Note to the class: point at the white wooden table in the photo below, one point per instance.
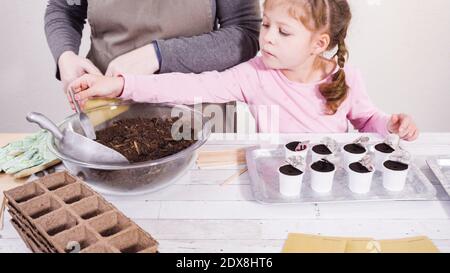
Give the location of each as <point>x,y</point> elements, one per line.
<point>197,214</point>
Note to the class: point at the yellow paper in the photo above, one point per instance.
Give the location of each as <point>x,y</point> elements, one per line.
<point>420,244</point>
<point>302,243</point>
<point>359,245</point>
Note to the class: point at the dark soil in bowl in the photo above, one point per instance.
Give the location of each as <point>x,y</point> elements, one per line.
<point>323,166</point>
<point>292,145</point>
<point>384,148</point>
<point>142,139</point>
<point>354,149</point>
<point>395,166</point>
<point>359,168</point>
<point>290,170</point>
<point>321,149</point>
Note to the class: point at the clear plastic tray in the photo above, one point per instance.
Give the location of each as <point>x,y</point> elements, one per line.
<point>263,164</point>
<point>440,165</point>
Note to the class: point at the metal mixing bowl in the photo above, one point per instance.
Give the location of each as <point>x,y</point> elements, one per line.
<point>135,178</point>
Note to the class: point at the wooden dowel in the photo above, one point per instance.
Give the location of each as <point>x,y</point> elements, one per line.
<point>234,176</point>
<point>2,212</point>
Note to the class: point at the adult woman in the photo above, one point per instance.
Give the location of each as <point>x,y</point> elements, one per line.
<point>149,36</point>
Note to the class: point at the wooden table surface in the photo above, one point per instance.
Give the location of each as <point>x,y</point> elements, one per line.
<point>198,214</point>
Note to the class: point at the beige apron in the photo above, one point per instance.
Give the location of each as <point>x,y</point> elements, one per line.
<point>120,26</point>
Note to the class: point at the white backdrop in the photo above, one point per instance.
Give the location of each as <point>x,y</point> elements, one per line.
<point>401,46</point>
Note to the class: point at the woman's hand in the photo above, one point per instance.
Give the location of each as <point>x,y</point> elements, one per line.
<point>71,67</point>
<point>94,86</point>
<point>141,61</point>
<point>404,126</point>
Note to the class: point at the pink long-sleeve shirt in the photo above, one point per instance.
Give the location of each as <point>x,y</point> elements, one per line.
<point>277,103</point>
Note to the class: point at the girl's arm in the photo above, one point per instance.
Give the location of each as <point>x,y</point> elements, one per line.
<point>234,84</point>
<point>364,116</point>
<point>239,83</point>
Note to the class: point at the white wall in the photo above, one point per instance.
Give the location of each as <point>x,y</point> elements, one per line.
<point>403,49</point>
<point>27,69</point>
<point>401,46</point>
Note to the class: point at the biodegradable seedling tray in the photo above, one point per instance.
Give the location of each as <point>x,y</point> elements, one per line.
<point>59,213</point>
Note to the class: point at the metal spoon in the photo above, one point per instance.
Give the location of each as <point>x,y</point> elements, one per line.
<point>85,123</point>
<point>76,145</point>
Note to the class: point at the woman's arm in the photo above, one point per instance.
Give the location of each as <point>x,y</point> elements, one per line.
<point>235,42</point>
<point>64,25</point>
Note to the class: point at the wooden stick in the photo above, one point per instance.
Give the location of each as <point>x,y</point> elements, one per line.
<point>211,159</point>
<point>219,164</point>
<point>218,160</point>
<point>231,153</point>
<point>234,176</point>
<point>225,155</point>
<point>239,160</point>
<point>2,212</point>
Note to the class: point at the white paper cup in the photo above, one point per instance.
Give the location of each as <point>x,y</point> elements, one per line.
<point>290,185</point>
<point>317,157</point>
<point>288,153</point>
<point>322,182</point>
<point>380,158</point>
<point>351,157</point>
<point>394,180</point>
<point>359,182</point>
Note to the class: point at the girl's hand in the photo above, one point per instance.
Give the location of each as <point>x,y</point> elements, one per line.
<point>94,86</point>
<point>403,126</point>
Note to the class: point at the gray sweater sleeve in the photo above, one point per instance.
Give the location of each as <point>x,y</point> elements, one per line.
<point>64,23</point>
<point>235,42</point>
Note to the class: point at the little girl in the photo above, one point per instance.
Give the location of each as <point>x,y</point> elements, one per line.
<point>314,94</point>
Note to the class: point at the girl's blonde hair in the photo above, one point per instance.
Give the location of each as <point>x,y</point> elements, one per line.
<point>332,17</point>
